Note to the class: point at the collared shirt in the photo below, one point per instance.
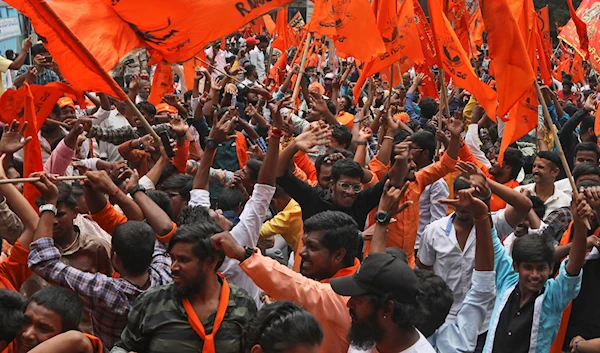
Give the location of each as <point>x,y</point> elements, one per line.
<point>429,208</point>
<point>461,335</point>
<point>158,323</point>
<point>440,249</point>
<point>246,233</point>
<point>548,307</point>
<point>42,77</point>
<point>557,222</point>
<point>557,200</point>
<point>328,307</point>
<point>257,58</point>
<point>287,223</point>
<point>564,185</point>
<point>513,332</point>
<point>46,147</point>
<point>110,299</point>
<point>510,239</point>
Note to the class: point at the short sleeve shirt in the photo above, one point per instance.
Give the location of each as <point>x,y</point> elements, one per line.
<point>4,65</point>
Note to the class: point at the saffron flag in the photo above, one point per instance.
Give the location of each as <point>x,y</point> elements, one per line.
<point>351,24</point>
<point>45,97</point>
<point>269,24</point>
<point>162,83</point>
<point>581,28</point>
<point>32,152</point>
<point>476,28</point>
<point>428,87</point>
<point>189,68</point>
<point>589,13</point>
<point>283,31</point>
<point>507,51</point>
<point>453,58</point>
<point>577,71</point>
<point>544,59</point>
<point>425,35</point>
<point>522,118</point>
<point>565,66</point>
<point>396,23</point>
<point>544,28</point>
<point>96,26</point>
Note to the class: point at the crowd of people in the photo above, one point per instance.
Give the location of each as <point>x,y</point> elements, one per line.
<point>263,223</point>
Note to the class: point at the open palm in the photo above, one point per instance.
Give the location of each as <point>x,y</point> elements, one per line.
<point>12,138</point>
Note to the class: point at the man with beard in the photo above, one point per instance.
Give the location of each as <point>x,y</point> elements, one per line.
<point>448,245</point>
<point>199,312</point>
<point>383,306</point>
<point>545,170</point>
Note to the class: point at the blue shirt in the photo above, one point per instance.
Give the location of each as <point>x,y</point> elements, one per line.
<point>41,78</point>
<point>549,306</point>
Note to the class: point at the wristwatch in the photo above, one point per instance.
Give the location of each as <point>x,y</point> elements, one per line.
<point>136,189</point>
<point>248,252</point>
<point>210,143</point>
<point>48,207</point>
<point>382,217</point>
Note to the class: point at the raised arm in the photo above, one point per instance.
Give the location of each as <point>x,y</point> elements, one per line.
<point>391,206</point>
<point>99,184</point>
<point>581,210</point>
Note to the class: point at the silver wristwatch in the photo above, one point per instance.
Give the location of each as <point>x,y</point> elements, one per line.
<point>48,207</point>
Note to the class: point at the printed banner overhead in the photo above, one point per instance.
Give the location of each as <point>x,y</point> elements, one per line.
<point>589,13</point>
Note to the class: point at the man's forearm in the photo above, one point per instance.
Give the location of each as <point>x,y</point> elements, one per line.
<point>378,243</point>
<point>285,158</point>
<point>19,61</point>
<point>201,178</point>
<point>578,248</point>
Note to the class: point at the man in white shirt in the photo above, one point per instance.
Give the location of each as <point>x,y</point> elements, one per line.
<point>545,170</point>
<point>448,245</point>
<point>220,58</point>
<point>257,57</point>
<point>383,306</point>
<point>584,152</point>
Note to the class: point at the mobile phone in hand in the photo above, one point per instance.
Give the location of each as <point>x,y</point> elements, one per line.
<point>164,138</point>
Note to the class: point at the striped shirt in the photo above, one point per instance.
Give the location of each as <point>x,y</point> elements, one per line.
<point>109,299</point>
<point>158,323</point>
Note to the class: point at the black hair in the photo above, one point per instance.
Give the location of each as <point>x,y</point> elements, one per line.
<point>533,248</point>
<point>587,123</point>
<point>436,300</point>
<point>321,159</point>
<point>588,146</point>
<point>587,184</point>
<point>426,141</point>
<point>169,171</point>
<point>56,110</point>
<point>347,104</point>
<point>65,196</point>
<point>162,200</point>
<point>397,253</point>
<point>62,301</point>
<point>12,319</point>
<point>195,214</point>
<point>230,198</point>
<point>254,165</point>
<point>429,128</point>
<point>184,183</point>
<point>570,108</point>
<point>514,158</point>
<point>405,316</point>
<point>460,183</point>
<point>262,39</point>
<point>147,107</point>
<point>429,107</point>
<point>346,167</point>
<point>550,156</point>
<point>340,231</point>
<point>279,327</point>
<point>586,168</point>
<point>250,69</point>
<point>539,207</point>
<point>38,49</point>
<point>331,106</point>
<point>342,134</point>
<point>199,236</point>
<point>134,241</point>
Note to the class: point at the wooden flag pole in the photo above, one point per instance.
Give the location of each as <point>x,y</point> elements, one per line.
<point>222,72</point>
<point>561,152</point>
<point>269,64</point>
<point>58,123</point>
<point>34,179</point>
<point>302,65</point>
<point>84,52</point>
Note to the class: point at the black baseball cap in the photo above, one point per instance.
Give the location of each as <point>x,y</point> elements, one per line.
<point>380,274</point>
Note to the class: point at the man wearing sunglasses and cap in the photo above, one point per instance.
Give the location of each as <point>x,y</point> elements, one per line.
<point>383,306</point>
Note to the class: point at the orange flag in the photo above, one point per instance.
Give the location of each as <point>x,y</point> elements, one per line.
<point>581,30</point>
<point>162,83</point>
<point>476,27</point>
<point>351,25</point>
<point>544,59</point>
<point>189,68</point>
<point>565,66</point>
<point>32,152</point>
<point>507,51</point>
<point>269,23</point>
<point>282,30</point>
<point>577,71</point>
<point>523,117</point>
<point>544,28</point>
<point>453,58</point>
<point>425,35</point>
<point>401,37</point>
<point>428,87</point>
<point>93,24</point>
<point>588,13</point>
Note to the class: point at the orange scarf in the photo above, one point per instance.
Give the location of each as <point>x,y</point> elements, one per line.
<point>346,271</point>
<point>209,340</point>
<point>241,149</point>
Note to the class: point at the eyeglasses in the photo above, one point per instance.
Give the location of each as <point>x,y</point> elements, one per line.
<point>347,186</point>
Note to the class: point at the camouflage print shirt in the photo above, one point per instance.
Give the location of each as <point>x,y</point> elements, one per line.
<point>158,323</point>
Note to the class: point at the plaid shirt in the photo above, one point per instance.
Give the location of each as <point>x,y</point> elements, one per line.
<point>119,135</point>
<point>558,221</point>
<point>109,299</point>
<point>41,78</point>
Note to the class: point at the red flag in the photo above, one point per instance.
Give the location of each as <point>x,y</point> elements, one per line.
<point>588,13</point>
<point>581,30</point>
<point>507,51</point>
<point>453,58</point>
<point>428,87</point>
<point>523,117</point>
<point>189,68</point>
<point>351,24</point>
<point>401,37</point>
<point>162,83</point>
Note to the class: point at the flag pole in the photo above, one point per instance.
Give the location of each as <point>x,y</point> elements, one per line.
<point>269,64</point>
<point>83,51</point>
<point>561,152</point>
<point>34,179</point>
<point>302,65</point>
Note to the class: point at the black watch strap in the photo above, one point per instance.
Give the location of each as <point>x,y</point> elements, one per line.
<point>249,251</point>
<point>136,189</point>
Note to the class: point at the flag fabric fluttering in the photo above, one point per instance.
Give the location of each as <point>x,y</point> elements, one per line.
<point>351,25</point>
<point>401,37</point>
<point>452,57</point>
<point>581,28</point>
<point>162,83</point>
<point>508,53</point>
